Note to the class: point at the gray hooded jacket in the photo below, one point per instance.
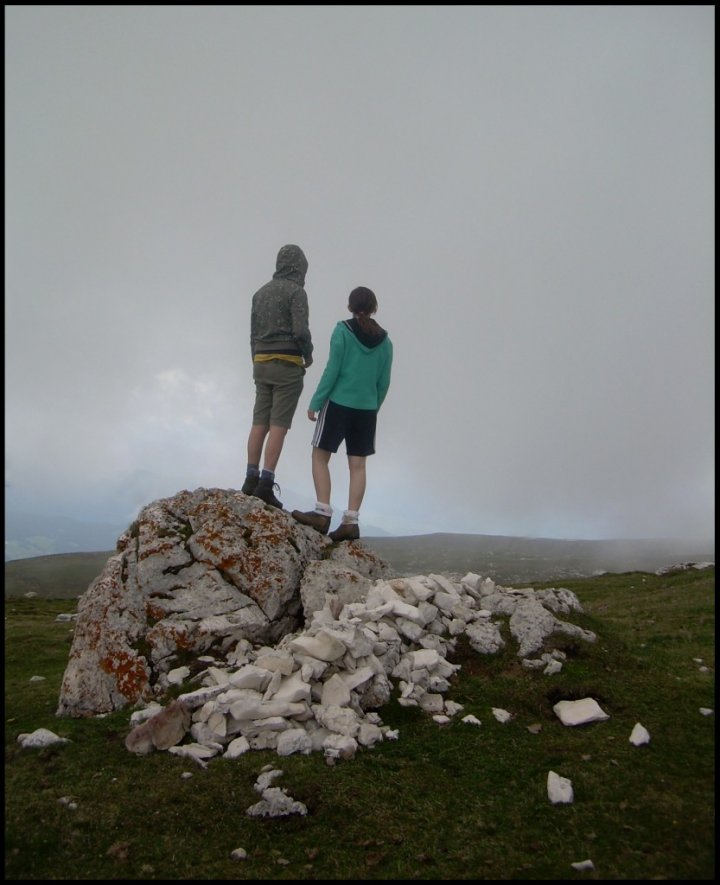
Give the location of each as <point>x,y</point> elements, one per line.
<point>279,320</point>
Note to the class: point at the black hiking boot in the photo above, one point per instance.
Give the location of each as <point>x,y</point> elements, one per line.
<point>264,491</point>
<point>346,531</point>
<point>315,520</point>
<point>250,484</point>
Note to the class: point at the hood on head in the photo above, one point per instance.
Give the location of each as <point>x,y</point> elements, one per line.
<point>291,265</point>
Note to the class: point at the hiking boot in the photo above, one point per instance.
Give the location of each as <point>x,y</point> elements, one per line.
<point>250,484</point>
<point>315,520</point>
<point>264,491</point>
<point>346,531</point>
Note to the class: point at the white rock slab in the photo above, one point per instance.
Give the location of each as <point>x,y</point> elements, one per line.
<point>152,709</point>
<point>471,720</point>
<point>339,746</point>
<point>559,789</point>
<point>41,737</point>
<point>322,646</point>
<point>276,803</point>
<point>639,735</point>
<point>294,740</point>
<point>178,675</point>
<point>251,676</point>
<point>501,715</point>
<point>335,692</point>
<point>579,712</point>
<point>293,689</point>
<point>194,751</point>
<point>236,748</point>
<point>452,708</point>
<point>583,866</point>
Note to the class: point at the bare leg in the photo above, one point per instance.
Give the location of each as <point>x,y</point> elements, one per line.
<point>258,432</point>
<point>356,493</point>
<point>321,474</point>
<point>274,446</point>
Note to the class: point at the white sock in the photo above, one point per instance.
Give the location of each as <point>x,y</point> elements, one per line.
<point>323,509</point>
<point>351,517</point>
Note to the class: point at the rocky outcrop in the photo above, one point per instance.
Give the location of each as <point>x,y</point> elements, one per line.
<point>319,689</point>
<point>192,576</point>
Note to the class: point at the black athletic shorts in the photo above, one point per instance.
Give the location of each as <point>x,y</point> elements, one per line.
<point>337,423</point>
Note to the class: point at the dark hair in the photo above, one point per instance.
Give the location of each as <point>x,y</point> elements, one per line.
<point>362,303</point>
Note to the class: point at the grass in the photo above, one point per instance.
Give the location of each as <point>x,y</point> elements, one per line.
<point>442,802</point>
<point>59,576</point>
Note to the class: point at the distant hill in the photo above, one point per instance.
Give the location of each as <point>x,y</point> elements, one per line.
<point>31,534</point>
<point>62,576</point>
<point>509,561</point>
<point>512,560</point>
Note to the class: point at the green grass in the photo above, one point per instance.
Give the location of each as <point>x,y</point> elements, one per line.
<point>442,802</point>
<point>59,576</point>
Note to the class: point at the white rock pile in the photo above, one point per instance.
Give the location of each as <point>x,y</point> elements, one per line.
<point>318,689</point>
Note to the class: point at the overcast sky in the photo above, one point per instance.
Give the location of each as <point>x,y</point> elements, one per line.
<point>528,190</point>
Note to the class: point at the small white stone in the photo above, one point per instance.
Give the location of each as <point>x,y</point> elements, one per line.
<point>186,775</point>
<point>176,676</point>
<point>37,679</point>
<point>706,711</point>
<point>238,854</point>
<point>559,788</point>
<point>579,712</point>
<point>440,719</point>
<point>583,866</point>
<point>639,735</point>
<point>501,715</point>
<point>276,803</point>
<point>452,708</point>
<point>471,720</point>
<point>236,748</point>
<point>41,737</point>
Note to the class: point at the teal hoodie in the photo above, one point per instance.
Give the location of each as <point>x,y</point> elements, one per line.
<point>357,373</point>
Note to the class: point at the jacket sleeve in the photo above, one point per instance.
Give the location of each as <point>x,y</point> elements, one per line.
<point>300,315</point>
<point>383,384</point>
<point>253,329</point>
<point>331,372</point>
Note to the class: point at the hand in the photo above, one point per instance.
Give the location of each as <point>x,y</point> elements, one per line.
<point>312,415</point>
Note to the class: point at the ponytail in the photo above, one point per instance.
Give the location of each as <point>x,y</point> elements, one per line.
<point>362,303</point>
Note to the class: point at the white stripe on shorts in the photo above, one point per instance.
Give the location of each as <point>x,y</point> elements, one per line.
<point>320,424</point>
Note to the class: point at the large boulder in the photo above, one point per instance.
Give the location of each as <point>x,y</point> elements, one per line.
<point>193,575</point>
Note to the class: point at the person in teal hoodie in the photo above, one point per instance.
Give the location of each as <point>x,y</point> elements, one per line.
<point>344,406</point>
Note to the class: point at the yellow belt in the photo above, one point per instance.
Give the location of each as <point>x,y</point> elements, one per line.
<point>288,357</point>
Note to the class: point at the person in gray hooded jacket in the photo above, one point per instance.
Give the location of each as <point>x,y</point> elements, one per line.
<point>281,348</point>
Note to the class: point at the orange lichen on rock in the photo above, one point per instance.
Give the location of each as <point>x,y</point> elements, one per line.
<point>131,674</point>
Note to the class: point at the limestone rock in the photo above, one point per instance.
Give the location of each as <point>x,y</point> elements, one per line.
<point>161,731</point>
<point>559,789</point>
<point>195,574</point>
<point>41,737</point>
<point>579,712</point>
<point>639,735</point>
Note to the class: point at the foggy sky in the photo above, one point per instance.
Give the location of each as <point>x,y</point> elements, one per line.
<point>528,190</point>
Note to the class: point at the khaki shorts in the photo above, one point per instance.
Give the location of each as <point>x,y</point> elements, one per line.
<point>278,385</point>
